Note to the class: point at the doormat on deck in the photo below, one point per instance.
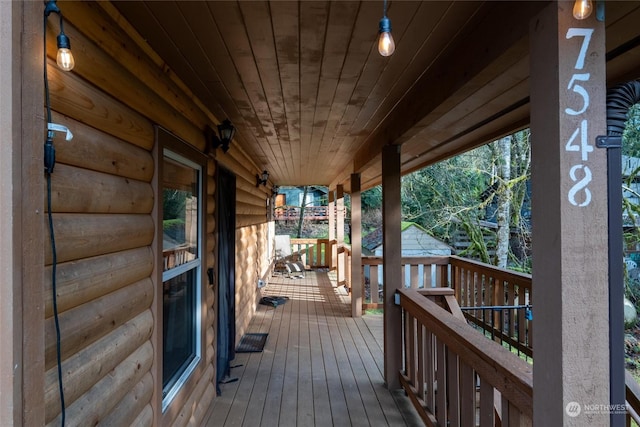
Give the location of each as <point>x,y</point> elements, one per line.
<point>252,343</point>
<point>273,301</point>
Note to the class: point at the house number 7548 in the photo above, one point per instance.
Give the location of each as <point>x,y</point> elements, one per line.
<point>580,173</point>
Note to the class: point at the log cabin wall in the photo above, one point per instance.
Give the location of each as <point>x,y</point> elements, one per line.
<point>104,190</point>
<point>252,237</point>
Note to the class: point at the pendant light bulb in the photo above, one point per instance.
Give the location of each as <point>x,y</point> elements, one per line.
<point>65,57</point>
<point>582,9</point>
<point>386,45</point>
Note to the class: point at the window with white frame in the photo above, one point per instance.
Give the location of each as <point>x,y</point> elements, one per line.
<point>181,290</point>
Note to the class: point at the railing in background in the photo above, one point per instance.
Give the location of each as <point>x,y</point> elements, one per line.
<point>292,213</point>
<point>419,272</point>
<point>455,376</point>
<point>317,254</point>
<point>313,253</point>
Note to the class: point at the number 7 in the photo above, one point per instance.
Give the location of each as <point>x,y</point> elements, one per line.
<point>581,32</point>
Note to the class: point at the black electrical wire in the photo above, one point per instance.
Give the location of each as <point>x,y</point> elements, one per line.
<point>49,159</point>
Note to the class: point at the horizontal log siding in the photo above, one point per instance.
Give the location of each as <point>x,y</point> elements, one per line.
<point>102,200</point>
<point>251,265</point>
<point>102,204</point>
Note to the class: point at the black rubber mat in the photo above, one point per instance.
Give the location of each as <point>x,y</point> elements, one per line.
<point>252,343</point>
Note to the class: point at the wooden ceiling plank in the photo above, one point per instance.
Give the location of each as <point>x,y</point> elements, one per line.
<point>261,38</point>
<point>424,31</point>
<point>232,95</point>
<point>436,25</point>
<point>170,41</point>
<point>370,76</point>
<point>285,22</point>
<point>211,47</point>
<point>230,21</point>
<point>313,22</point>
<point>340,150</point>
<point>342,16</point>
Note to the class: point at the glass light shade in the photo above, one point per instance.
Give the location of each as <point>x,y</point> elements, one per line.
<point>386,45</point>
<point>65,59</point>
<point>582,9</point>
<point>226,131</point>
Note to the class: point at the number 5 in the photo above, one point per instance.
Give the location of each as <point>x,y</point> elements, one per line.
<point>580,91</point>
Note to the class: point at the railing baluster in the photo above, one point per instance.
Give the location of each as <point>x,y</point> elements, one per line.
<point>413,275</point>
<point>410,348</point>
<point>453,389</point>
<point>430,378</point>
<point>441,383</point>
<point>511,313</point>
<point>421,348</point>
<point>373,284</point>
<point>487,409</point>
<point>467,395</point>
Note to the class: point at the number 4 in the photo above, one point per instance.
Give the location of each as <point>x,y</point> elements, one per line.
<point>584,148</point>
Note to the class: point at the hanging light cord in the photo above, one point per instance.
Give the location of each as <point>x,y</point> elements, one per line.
<point>384,8</point>
<point>49,159</point>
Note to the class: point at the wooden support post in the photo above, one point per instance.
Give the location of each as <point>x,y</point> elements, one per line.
<point>10,294</point>
<point>392,254</point>
<point>21,231</point>
<point>356,247</point>
<point>332,230</point>
<point>568,92</point>
<point>340,233</point>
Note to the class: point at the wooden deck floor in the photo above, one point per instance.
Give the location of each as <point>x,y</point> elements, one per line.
<point>319,366</point>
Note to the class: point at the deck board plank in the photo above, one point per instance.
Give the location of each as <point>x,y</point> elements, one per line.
<point>305,380</point>
<point>280,332</point>
<point>320,367</point>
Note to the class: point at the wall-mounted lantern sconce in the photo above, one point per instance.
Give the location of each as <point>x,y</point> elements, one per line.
<point>262,179</point>
<point>65,57</point>
<point>386,45</point>
<point>274,190</point>
<point>226,131</point>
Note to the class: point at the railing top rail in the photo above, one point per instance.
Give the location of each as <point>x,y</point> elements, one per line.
<point>437,260</point>
<point>496,272</point>
<point>298,241</point>
<point>505,371</point>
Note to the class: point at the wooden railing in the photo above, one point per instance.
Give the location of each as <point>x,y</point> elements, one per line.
<point>481,285</point>
<point>418,272</point>
<point>292,213</point>
<point>313,253</point>
<point>479,288</point>
<point>455,376</point>
<point>475,285</point>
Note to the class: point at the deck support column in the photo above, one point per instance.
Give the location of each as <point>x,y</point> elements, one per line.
<point>569,181</point>
<point>21,209</point>
<point>333,262</point>
<point>356,246</point>
<point>392,254</point>
<point>342,265</point>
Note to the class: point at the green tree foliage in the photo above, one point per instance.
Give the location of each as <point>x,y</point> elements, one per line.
<point>630,209</point>
<point>456,194</point>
